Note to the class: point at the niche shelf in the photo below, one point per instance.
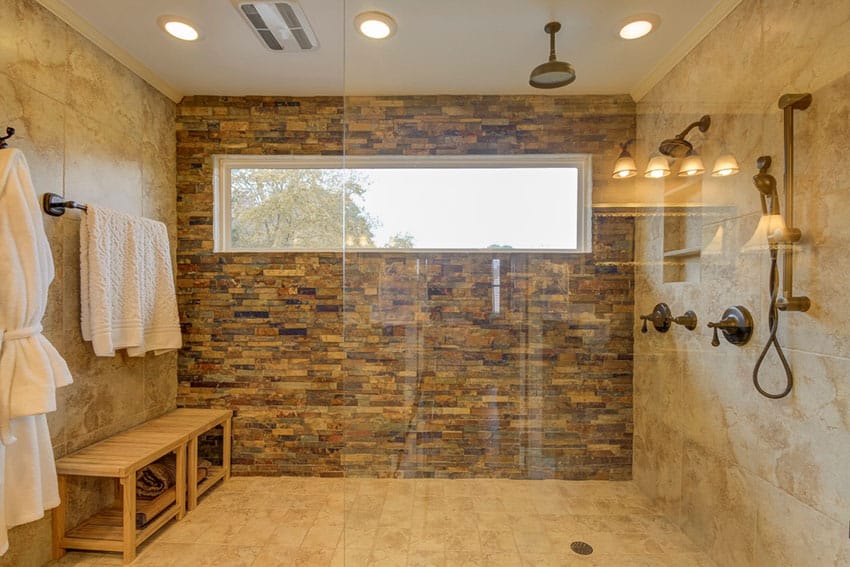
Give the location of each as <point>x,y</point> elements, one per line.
<point>682,229</point>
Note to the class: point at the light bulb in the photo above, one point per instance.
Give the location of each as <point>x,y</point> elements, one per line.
<point>179,28</point>
<point>375,25</point>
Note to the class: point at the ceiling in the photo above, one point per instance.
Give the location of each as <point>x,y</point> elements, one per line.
<point>441,47</point>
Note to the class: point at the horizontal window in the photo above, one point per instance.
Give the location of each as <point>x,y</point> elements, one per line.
<point>469,203</point>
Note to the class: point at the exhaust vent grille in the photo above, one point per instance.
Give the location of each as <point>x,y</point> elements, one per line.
<point>280,25</point>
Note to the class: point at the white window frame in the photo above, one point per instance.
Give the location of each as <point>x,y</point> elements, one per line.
<point>222,164</point>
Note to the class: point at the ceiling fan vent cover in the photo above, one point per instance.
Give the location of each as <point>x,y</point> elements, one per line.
<point>281,26</point>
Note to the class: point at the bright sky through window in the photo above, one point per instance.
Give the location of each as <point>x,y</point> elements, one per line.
<point>525,208</point>
<point>373,203</point>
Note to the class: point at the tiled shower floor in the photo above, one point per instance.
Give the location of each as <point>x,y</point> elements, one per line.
<point>291,522</point>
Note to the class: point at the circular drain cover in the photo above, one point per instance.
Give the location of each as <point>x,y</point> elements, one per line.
<point>581,548</point>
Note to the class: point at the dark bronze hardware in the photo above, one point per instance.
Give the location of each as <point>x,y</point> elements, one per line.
<point>736,324</point>
<point>55,205</point>
<point>787,301</point>
<point>553,73</point>
<point>661,317</point>
<point>678,146</point>
<point>9,133</point>
<point>688,320</point>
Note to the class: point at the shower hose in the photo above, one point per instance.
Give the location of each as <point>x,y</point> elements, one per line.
<point>773,321</point>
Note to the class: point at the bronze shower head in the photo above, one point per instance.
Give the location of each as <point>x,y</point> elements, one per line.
<point>679,147</point>
<point>553,73</point>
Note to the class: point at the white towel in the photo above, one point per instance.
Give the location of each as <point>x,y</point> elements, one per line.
<point>126,284</point>
<point>30,368</point>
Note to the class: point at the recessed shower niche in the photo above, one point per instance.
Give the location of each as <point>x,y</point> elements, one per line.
<point>682,229</point>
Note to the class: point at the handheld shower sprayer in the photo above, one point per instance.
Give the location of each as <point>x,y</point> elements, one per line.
<point>782,235</point>
<point>766,184</point>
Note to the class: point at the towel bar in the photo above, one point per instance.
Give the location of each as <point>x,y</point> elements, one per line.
<point>55,205</point>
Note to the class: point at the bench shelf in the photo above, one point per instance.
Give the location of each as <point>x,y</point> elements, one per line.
<point>120,457</point>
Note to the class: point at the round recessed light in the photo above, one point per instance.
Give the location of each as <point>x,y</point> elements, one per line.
<point>179,28</point>
<point>375,25</point>
<point>639,26</point>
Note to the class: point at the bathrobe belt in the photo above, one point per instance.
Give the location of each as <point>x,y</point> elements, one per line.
<point>6,436</point>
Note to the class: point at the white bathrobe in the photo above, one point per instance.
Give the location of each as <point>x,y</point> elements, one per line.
<point>30,368</point>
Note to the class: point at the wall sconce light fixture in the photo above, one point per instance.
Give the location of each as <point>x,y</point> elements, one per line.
<point>691,165</point>
<point>674,148</point>
<point>657,167</point>
<point>625,165</point>
<point>725,165</point>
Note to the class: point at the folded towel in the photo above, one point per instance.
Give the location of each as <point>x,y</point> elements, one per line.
<point>157,477</point>
<point>126,284</point>
<point>149,508</point>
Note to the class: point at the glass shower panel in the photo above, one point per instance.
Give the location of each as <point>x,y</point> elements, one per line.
<point>472,376</point>
<point>446,363</point>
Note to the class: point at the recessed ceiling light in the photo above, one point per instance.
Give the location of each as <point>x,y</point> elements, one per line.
<point>639,26</point>
<point>178,27</point>
<point>375,25</point>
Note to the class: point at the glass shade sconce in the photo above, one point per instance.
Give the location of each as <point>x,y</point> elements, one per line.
<point>625,166</point>
<point>657,167</point>
<point>691,165</point>
<point>725,165</point>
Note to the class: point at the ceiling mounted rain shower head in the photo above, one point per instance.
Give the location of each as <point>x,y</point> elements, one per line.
<point>679,147</point>
<point>553,73</point>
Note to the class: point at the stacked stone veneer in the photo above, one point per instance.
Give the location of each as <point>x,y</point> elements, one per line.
<point>396,364</point>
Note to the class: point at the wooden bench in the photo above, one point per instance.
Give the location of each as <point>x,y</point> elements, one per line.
<point>120,457</point>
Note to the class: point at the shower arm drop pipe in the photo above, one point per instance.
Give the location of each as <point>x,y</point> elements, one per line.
<point>787,302</point>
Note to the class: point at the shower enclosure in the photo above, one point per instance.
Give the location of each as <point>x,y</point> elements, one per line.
<point>423,377</point>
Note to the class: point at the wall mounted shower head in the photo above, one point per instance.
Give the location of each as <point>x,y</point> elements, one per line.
<point>678,146</point>
<point>675,147</point>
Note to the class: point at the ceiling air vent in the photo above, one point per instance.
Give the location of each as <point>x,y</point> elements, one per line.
<point>281,26</point>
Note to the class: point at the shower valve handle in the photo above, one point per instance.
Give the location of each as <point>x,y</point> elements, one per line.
<point>726,323</point>
<point>736,324</point>
<point>715,341</point>
<point>661,317</point>
<point>688,320</point>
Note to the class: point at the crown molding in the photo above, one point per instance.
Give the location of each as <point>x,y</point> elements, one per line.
<point>683,47</point>
<point>67,15</point>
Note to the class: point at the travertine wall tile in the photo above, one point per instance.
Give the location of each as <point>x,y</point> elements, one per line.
<point>35,50</point>
<point>791,453</point>
<point>79,121</point>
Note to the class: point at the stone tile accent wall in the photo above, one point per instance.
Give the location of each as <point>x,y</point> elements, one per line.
<point>92,131</point>
<point>405,371</point>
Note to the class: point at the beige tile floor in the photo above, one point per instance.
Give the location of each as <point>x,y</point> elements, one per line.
<point>293,522</point>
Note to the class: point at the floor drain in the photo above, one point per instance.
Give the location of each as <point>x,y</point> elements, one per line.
<point>581,548</point>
